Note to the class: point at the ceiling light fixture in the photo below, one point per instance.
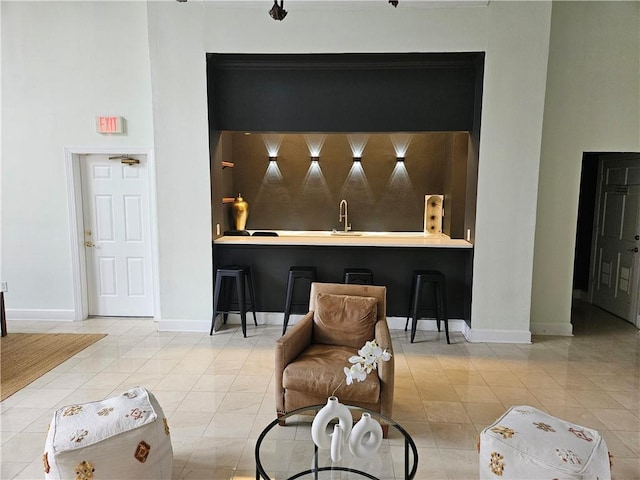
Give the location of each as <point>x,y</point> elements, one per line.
<point>278,12</point>
<point>394,3</point>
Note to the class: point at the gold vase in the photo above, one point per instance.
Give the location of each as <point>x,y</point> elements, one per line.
<point>240,210</point>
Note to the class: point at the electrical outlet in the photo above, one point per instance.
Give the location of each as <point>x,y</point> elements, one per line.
<point>4,287</point>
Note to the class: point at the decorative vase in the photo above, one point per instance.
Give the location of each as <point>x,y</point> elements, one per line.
<point>331,411</point>
<point>240,210</point>
<point>366,437</point>
<point>337,442</point>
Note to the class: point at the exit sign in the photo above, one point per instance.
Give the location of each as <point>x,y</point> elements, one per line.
<point>108,124</point>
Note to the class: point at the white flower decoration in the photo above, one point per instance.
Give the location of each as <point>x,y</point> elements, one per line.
<point>364,363</point>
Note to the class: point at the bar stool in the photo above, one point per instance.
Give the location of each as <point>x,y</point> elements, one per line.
<point>242,276</point>
<point>295,274</point>
<point>439,282</point>
<point>360,276</point>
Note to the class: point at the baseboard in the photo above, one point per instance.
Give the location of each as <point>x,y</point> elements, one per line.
<point>476,335</point>
<point>542,328</point>
<point>398,323</point>
<point>276,318</point>
<point>40,314</point>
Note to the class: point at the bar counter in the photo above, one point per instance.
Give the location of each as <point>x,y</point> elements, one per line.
<point>350,239</point>
<point>392,256</point>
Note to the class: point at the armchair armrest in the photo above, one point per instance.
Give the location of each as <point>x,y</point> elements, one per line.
<point>386,370</point>
<point>288,347</point>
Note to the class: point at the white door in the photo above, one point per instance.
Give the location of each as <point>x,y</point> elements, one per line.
<point>115,204</point>
<point>617,261</point>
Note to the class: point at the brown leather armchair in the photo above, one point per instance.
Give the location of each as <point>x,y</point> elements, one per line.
<point>311,356</point>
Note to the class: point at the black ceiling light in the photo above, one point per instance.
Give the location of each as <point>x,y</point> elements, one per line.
<point>278,12</point>
<point>394,3</point>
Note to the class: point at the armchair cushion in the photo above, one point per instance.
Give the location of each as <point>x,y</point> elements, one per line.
<point>344,320</point>
<point>319,370</point>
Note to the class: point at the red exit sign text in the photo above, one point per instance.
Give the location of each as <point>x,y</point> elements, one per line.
<point>108,124</point>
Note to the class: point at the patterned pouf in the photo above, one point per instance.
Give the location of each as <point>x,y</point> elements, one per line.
<point>123,437</point>
<point>526,443</point>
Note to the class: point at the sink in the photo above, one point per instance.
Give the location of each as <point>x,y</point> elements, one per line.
<point>346,234</point>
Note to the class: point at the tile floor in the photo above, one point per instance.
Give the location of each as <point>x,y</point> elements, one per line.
<point>218,391</point>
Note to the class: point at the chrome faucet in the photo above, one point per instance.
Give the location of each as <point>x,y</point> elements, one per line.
<point>343,215</point>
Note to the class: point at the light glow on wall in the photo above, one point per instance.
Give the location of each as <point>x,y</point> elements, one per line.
<point>271,194</point>
<point>401,143</point>
<point>272,141</point>
<point>315,141</point>
<point>272,174</point>
<point>399,189</point>
<point>356,187</point>
<point>357,141</point>
<point>314,186</point>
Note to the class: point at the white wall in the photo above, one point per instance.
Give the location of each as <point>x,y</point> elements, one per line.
<point>62,64</point>
<point>178,68</point>
<point>65,62</point>
<point>592,105</point>
<point>515,37</point>
<point>512,108</point>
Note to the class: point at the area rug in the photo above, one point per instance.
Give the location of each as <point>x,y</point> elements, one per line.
<point>26,357</point>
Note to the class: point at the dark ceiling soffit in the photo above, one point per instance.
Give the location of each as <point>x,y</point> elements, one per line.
<point>386,61</point>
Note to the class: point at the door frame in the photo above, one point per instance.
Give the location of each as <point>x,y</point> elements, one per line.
<point>72,156</point>
<point>594,268</point>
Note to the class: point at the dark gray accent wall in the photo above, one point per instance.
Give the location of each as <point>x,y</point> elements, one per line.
<point>345,92</point>
<point>419,93</point>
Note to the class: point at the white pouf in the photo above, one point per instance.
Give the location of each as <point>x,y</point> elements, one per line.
<point>526,443</point>
<point>123,437</point>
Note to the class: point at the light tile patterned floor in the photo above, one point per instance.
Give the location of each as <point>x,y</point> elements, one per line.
<point>218,391</point>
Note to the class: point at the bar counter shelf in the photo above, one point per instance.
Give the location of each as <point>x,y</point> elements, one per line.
<point>345,239</point>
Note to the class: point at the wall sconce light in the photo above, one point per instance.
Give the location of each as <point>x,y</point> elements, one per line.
<point>278,12</point>
<point>273,158</point>
<point>315,158</point>
<point>400,159</point>
<point>357,159</point>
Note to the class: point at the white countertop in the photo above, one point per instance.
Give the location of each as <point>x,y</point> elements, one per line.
<point>353,239</point>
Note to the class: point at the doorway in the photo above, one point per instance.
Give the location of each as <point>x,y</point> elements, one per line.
<point>111,195</point>
<point>607,262</point>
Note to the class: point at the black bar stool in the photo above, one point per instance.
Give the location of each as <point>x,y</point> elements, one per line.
<point>242,276</point>
<point>360,276</point>
<point>439,282</point>
<point>295,274</point>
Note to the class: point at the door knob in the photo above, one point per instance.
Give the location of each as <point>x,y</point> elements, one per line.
<point>637,237</point>
<point>634,250</point>
<point>89,244</point>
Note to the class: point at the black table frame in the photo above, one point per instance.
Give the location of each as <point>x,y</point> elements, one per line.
<point>409,445</point>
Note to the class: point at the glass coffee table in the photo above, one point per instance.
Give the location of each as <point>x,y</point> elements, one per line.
<point>288,452</point>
